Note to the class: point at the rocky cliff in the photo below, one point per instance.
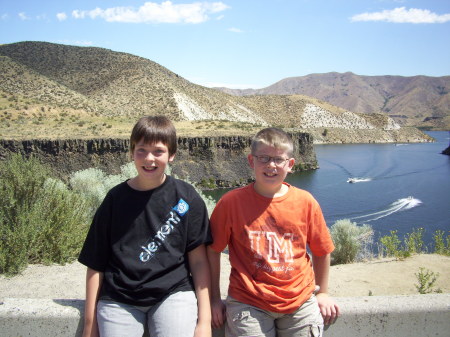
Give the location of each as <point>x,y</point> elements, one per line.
<point>207,161</point>
<point>446,151</point>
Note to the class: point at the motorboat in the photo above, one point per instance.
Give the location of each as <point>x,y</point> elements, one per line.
<point>358,180</point>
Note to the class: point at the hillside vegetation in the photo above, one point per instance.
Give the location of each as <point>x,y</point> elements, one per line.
<point>58,91</point>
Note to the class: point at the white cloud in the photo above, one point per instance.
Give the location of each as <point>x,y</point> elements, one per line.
<point>23,16</point>
<point>235,30</point>
<point>151,12</point>
<point>4,16</point>
<point>403,15</point>
<point>61,16</point>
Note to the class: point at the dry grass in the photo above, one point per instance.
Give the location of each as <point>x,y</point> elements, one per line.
<point>23,118</point>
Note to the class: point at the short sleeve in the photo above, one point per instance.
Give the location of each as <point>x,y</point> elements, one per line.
<point>198,227</point>
<point>220,226</point>
<point>96,248</point>
<point>319,238</point>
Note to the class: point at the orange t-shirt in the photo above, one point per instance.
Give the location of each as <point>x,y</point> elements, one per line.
<point>267,241</point>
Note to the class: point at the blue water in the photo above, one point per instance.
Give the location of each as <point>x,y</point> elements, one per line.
<point>399,187</point>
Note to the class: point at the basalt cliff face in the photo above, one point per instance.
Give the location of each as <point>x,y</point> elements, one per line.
<point>207,161</point>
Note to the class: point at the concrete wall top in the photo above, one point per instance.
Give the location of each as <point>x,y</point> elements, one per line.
<point>386,316</point>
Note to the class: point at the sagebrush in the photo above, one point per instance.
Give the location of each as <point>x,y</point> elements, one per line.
<point>41,221</point>
<point>352,242</point>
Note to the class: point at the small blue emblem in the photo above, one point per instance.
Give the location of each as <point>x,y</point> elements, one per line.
<point>182,207</point>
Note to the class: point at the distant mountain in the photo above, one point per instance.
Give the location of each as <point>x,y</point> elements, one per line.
<point>421,101</point>
<point>101,82</point>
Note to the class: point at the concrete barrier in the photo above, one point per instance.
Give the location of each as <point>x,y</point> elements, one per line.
<point>386,316</point>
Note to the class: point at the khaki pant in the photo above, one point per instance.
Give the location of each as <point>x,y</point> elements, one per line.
<point>249,321</point>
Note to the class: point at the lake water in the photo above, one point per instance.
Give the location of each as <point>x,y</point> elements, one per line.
<point>398,186</point>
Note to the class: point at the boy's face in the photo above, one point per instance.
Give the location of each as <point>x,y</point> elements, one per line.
<point>151,161</point>
<point>270,175</point>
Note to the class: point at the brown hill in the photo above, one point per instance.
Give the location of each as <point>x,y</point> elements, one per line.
<point>420,101</point>
<point>83,92</point>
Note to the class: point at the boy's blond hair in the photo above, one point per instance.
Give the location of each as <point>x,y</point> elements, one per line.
<point>153,129</point>
<point>273,137</point>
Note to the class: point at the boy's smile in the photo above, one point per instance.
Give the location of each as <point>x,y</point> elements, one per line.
<point>151,168</point>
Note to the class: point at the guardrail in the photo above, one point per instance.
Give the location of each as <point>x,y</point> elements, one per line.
<point>417,315</point>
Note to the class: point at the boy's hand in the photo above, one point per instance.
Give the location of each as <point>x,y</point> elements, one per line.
<point>328,308</point>
<point>203,330</point>
<point>217,313</point>
<point>90,329</point>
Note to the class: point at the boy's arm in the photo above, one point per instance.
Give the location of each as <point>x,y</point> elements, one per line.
<point>94,281</point>
<point>217,305</point>
<point>198,263</point>
<point>328,307</point>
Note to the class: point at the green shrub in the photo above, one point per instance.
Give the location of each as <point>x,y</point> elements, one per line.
<point>426,279</point>
<point>209,183</point>
<point>21,181</point>
<point>351,241</point>
<point>89,184</point>
<point>414,241</point>
<point>391,246</point>
<point>441,246</point>
<point>60,220</point>
<point>41,221</point>
<point>93,184</point>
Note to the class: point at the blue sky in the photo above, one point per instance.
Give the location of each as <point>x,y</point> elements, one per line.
<point>248,43</point>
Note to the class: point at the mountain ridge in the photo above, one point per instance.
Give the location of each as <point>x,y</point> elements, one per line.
<point>54,86</point>
<point>420,101</point>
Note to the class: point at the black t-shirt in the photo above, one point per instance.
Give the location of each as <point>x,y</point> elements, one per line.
<point>140,241</point>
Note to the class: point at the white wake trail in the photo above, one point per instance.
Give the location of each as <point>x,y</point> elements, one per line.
<point>397,206</point>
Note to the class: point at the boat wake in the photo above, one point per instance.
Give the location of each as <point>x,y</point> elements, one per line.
<point>358,180</point>
<point>397,206</point>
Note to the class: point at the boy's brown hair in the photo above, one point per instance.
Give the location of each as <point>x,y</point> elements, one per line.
<point>153,129</point>
<point>273,137</point>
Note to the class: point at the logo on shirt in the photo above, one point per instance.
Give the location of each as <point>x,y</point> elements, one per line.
<point>272,246</point>
<point>181,208</point>
<point>150,249</point>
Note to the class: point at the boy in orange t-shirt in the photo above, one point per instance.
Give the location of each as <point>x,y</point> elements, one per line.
<point>267,227</point>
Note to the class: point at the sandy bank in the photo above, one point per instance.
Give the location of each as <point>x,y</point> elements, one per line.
<point>379,277</point>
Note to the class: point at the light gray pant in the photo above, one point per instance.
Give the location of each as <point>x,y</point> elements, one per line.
<point>247,320</point>
<point>176,315</point>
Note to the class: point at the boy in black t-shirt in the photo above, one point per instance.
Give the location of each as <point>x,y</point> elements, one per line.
<point>145,250</point>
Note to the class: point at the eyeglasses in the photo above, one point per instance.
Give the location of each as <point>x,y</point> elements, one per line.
<point>279,161</point>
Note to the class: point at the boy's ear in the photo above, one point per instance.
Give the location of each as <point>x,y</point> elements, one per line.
<point>171,158</point>
<point>250,160</point>
<point>291,163</point>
